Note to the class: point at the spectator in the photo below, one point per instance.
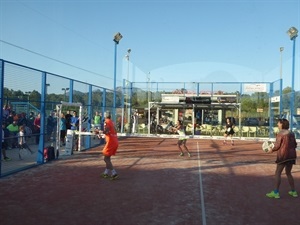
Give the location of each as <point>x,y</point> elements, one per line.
<point>22,141</point>
<point>5,112</point>
<point>22,119</point>
<point>68,117</point>
<point>97,119</point>
<point>5,135</point>
<point>31,120</point>
<point>62,128</point>
<point>74,121</point>
<point>135,121</point>
<point>50,125</point>
<point>10,118</point>
<point>13,131</point>
<point>75,127</point>
<point>37,128</point>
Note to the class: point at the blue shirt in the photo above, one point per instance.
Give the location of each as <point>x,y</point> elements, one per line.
<point>62,124</point>
<point>74,122</point>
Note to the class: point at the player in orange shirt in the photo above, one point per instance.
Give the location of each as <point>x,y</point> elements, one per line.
<point>110,147</point>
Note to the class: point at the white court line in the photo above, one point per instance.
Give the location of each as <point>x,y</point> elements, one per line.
<point>201,189</point>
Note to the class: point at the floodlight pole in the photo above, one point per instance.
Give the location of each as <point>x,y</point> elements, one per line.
<point>117,38</point>
<point>148,86</point>
<point>293,33</point>
<point>127,86</point>
<point>280,91</point>
<point>65,91</point>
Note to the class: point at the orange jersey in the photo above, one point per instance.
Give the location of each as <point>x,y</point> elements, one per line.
<point>111,139</point>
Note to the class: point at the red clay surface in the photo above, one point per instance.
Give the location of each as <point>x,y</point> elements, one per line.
<point>217,185</point>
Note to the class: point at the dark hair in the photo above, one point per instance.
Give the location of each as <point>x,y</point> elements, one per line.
<point>107,114</point>
<point>285,123</point>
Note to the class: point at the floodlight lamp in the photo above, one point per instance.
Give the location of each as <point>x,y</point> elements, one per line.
<point>292,32</point>
<point>118,36</point>
<point>128,51</point>
<point>281,49</point>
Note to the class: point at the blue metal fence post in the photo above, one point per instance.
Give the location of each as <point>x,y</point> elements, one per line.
<point>293,33</point>
<point>103,112</point>
<point>90,116</point>
<point>271,131</point>
<point>103,102</point>
<point>1,105</point>
<point>123,99</point>
<point>71,91</point>
<point>130,106</point>
<point>280,97</point>
<point>40,155</point>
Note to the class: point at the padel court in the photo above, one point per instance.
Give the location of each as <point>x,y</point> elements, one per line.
<point>219,184</point>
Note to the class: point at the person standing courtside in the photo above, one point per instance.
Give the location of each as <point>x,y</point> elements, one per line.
<point>110,148</point>
<point>37,128</point>
<point>285,146</point>
<point>5,135</point>
<point>97,119</point>
<point>75,127</point>
<point>63,129</point>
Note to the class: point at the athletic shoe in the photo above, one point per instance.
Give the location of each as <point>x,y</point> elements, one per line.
<point>189,154</point>
<point>104,175</point>
<point>272,194</point>
<point>7,159</point>
<point>232,143</point>
<point>224,143</point>
<point>114,177</point>
<point>293,193</point>
<point>181,154</point>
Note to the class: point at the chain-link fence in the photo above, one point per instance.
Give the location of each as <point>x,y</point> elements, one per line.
<point>32,97</point>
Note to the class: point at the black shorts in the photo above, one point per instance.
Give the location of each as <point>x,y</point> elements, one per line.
<point>181,141</point>
<point>62,134</point>
<point>229,132</point>
<point>4,145</point>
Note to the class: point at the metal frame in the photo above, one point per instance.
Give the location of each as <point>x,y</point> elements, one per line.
<point>216,106</point>
<point>58,110</point>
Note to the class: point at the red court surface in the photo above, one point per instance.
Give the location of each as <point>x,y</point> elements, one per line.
<point>217,185</point>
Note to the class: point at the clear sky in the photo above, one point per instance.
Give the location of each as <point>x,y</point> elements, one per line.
<point>171,40</point>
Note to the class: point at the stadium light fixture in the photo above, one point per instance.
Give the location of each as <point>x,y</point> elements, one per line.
<point>292,32</point>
